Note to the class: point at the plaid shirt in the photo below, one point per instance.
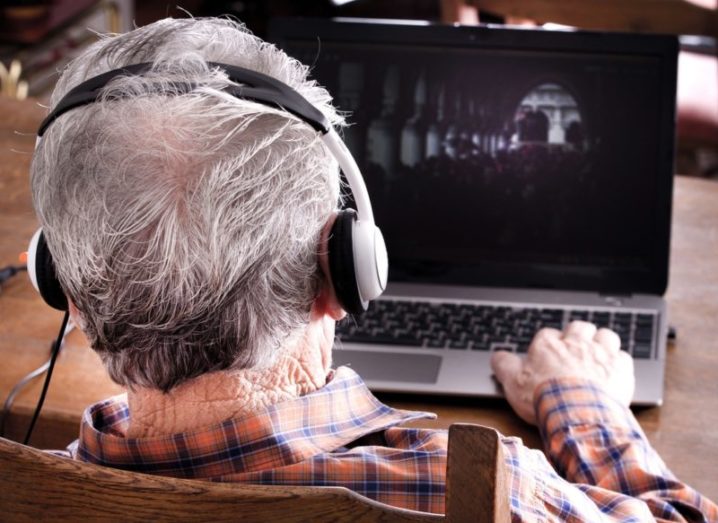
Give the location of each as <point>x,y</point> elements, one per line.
<point>330,437</point>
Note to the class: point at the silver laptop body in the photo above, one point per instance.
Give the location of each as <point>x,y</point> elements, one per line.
<point>467,372</point>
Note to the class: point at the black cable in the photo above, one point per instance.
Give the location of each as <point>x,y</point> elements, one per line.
<point>17,388</point>
<point>53,359</point>
<point>7,406</point>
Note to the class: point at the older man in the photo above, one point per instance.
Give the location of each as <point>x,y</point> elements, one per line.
<point>189,231</point>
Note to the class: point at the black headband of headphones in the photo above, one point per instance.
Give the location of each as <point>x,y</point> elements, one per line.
<point>256,87</point>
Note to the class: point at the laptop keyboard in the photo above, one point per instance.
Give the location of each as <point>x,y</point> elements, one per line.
<point>485,327</point>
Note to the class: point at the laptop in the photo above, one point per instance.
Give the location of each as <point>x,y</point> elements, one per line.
<point>522,179</point>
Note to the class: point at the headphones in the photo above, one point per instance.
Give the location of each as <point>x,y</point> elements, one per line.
<point>358,262</point>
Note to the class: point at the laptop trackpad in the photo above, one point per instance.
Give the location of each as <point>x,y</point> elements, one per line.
<point>390,366</point>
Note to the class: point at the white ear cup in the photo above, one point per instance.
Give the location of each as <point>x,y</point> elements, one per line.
<point>371,263</point>
<point>381,258</point>
<point>32,259</point>
<point>370,260</point>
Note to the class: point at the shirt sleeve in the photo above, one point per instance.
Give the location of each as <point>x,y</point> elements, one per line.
<point>593,440</point>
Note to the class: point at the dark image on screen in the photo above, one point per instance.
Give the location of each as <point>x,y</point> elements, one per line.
<point>475,156</point>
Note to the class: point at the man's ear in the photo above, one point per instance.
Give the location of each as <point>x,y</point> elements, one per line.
<point>326,302</point>
<point>75,315</point>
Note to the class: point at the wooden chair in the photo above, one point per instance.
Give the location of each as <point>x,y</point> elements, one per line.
<point>35,485</point>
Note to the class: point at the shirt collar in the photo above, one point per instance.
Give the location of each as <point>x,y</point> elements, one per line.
<point>282,434</point>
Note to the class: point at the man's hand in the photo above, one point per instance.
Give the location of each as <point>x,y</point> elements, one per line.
<point>580,351</point>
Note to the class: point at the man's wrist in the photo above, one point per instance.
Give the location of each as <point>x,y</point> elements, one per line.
<point>572,401</point>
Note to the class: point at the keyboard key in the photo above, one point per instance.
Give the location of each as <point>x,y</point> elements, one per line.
<point>555,313</point>
<point>493,338</point>
<point>523,338</point>
<point>621,329</point>
<point>578,315</point>
<point>641,351</point>
<point>643,334</point>
<point>644,319</point>
<point>509,347</point>
<point>623,318</point>
<point>601,319</point>
<point>553,325</point>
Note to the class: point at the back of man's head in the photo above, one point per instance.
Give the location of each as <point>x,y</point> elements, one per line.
<point>185,228</point>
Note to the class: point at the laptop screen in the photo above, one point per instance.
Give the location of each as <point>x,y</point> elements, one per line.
<point>507,157</point>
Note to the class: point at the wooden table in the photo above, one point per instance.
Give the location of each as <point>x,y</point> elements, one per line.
<point>684,430</point>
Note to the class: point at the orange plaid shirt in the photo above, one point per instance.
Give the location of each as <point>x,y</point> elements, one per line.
<point>605,469</point>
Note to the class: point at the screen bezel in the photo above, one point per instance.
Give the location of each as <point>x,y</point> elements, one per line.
<point>605,279</point>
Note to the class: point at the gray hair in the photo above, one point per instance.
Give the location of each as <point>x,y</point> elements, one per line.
<point>185,228</point>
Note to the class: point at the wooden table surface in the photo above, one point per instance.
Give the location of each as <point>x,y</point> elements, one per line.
<point>684,429</point>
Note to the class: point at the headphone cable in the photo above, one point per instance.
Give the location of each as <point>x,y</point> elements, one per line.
<point>7,406</point>
<point>17,388</point>
<point>53,359</point>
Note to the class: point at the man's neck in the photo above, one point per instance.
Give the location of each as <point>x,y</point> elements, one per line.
<point>218,396</point>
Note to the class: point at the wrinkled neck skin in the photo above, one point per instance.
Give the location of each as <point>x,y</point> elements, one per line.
<point>218,396</point>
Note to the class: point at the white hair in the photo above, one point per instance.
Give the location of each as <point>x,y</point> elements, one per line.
<point>185,228</point>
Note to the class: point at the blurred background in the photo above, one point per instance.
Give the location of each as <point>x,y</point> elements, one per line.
<point>38,37</point>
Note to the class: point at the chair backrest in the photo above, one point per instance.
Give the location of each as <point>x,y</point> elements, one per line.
<point>39,485</point>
